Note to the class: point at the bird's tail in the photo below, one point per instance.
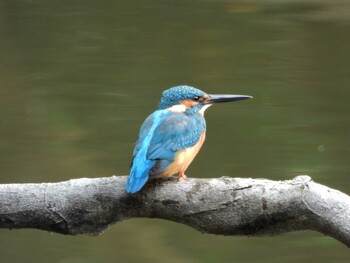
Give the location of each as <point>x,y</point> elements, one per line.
<point>139,175</point>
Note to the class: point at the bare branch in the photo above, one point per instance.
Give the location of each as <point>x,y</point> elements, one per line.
<point>225,206</point>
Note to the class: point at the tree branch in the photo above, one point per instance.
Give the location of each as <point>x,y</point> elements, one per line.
<point>225,206</point>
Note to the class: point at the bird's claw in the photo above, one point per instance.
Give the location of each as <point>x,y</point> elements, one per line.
<point>182,177</point>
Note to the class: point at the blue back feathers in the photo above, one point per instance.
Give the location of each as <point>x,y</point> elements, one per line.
<point>162,135</point>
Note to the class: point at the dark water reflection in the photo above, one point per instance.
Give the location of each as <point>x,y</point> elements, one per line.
<point>77,79</point>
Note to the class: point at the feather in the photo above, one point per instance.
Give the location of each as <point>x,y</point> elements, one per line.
<point>177,132</point>
<point>162,135</point>
<point>140,165</point>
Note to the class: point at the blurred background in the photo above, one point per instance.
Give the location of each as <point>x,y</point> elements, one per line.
<point>77,78</point>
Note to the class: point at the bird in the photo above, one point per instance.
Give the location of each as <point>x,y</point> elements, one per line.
<point>170,138</point>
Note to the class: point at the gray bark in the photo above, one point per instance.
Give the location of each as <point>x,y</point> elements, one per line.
<point>225,206</point>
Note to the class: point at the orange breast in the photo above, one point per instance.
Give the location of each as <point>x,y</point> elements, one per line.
<point>184,158</point>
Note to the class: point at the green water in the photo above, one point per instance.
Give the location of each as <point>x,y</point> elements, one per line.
<point>77,78</point>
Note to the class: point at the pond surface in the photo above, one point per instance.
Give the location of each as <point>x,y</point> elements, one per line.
<point>79,77</point>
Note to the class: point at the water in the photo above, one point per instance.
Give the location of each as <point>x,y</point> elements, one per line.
<point>78,78</point>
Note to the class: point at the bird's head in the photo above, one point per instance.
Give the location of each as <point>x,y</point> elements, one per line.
<point>191,100</point>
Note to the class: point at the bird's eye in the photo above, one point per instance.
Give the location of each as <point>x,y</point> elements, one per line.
<point>199,99</point>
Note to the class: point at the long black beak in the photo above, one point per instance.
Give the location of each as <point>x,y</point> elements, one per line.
<point>218,98</point>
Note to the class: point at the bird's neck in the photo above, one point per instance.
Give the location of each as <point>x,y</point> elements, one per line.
<point>202,110</point>
<point>197,109</point>
<point>177,108</point>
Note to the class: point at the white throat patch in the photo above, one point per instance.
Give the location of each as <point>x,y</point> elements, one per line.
<point>202,110</point>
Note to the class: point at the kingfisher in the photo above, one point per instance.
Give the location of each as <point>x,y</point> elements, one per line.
<point>171,137</point>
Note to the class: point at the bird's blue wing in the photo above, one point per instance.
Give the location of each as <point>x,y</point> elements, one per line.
<point>162,135</point>
<point>140,165</point>
<point>179,131</point>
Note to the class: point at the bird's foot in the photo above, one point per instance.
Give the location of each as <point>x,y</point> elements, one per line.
<point>182,177</point>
